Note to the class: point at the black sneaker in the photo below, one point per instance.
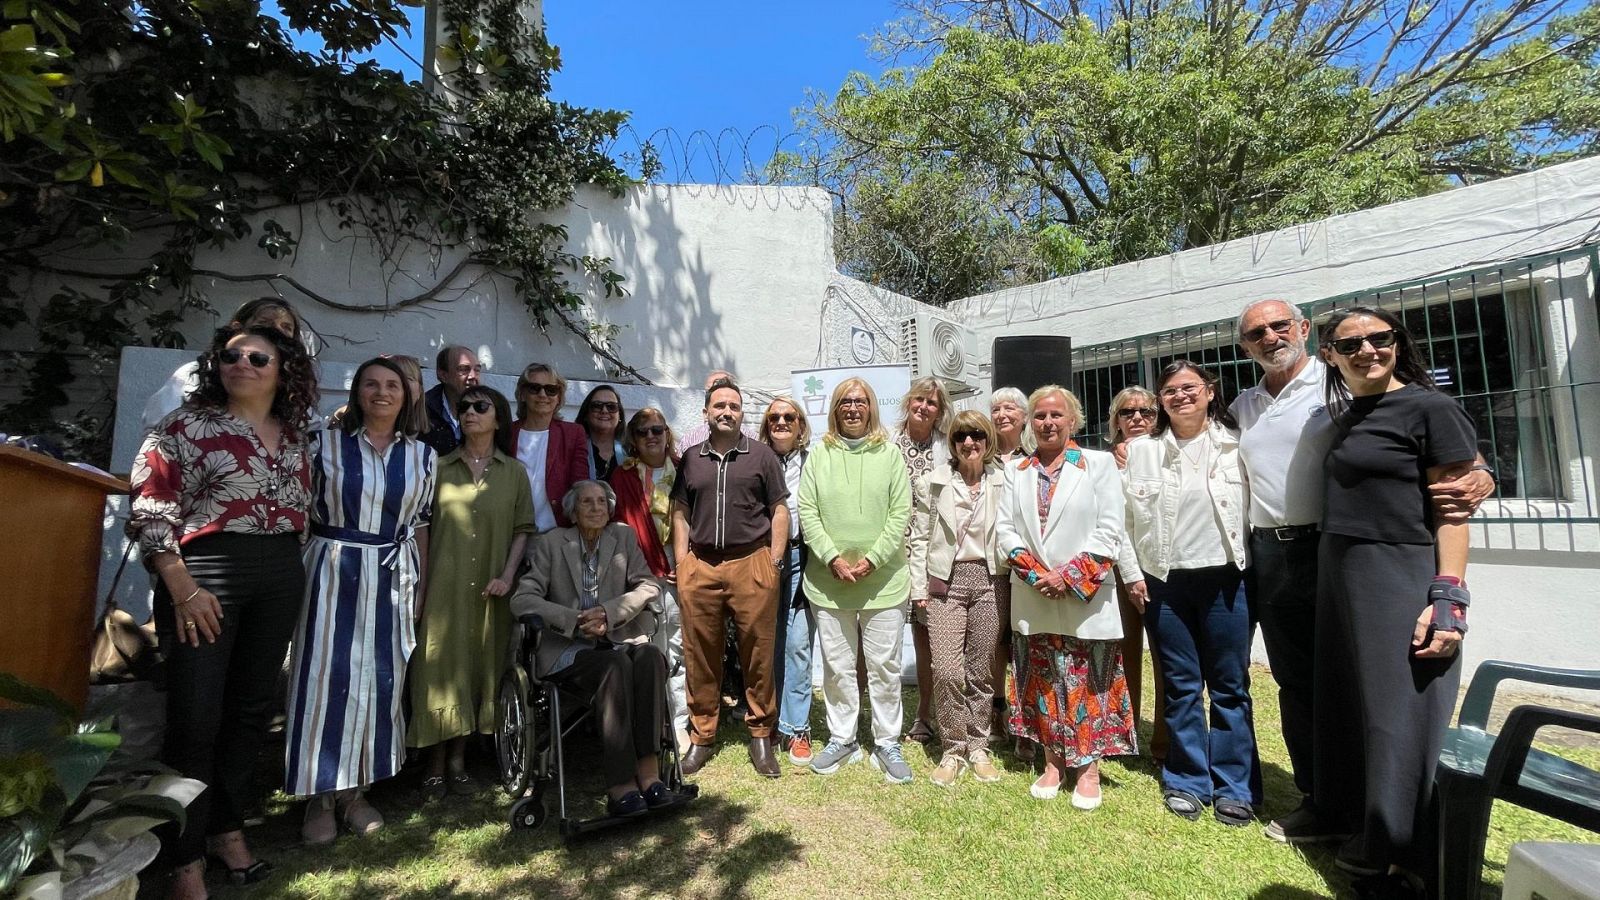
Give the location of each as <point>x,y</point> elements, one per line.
<point>1305,826</point>
<point>630,804</point>
<point>657,795</point>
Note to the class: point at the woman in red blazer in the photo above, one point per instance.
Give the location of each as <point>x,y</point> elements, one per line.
<point>554,452</point>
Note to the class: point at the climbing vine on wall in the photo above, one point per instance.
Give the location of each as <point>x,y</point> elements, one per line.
<point>145,133</point>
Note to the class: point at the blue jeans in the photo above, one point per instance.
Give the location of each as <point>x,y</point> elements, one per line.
<point>1199,626</point>
<point>797,628</point>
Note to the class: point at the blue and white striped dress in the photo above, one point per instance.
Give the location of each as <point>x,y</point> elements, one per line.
<point>357,629</point>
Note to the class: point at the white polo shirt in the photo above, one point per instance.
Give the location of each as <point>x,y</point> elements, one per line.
<point>1282,443</point>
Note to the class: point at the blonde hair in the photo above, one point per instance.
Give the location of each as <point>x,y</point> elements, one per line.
<point>412,368</point>
<point>1125,397</point>
<point>923,387</point>
<point>802,431</point>
<point>875,433</point>
<point>972,420</point>
<point>523,382</point>
<point>1074,408</point>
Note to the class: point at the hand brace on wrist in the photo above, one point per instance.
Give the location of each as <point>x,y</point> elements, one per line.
<point>1449,598</point>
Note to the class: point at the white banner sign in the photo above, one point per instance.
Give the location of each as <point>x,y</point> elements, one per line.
<point>813,388</point>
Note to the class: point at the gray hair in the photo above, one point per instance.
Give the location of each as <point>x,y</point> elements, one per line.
<point>1009,395</point>
<point>569,502</point>
<point>1295,315</point>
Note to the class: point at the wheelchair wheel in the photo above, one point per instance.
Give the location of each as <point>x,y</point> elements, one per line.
<point>529,812</point>
<point>514,741</point>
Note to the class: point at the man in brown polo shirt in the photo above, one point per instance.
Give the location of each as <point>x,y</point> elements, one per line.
<point>730,530</point>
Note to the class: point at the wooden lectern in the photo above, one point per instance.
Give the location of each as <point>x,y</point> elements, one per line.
<point>50,537</point>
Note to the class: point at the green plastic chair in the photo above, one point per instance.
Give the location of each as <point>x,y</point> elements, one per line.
<point>1476,768</point>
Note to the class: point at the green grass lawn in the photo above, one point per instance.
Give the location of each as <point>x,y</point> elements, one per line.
<point>850,835</point>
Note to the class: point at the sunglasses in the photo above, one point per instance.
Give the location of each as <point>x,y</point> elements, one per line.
<point>1350,346</point>
<point>1129,412</point>
<point>963,436</point>
<point>478,406</point>
<point>1282,326</point>
<point>783,417</point>
<point>232,355</point>
<point>604,406</point>
<point>651,430</point>
<point>549,390</point>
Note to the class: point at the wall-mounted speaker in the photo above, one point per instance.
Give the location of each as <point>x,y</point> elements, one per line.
<point>1027,362</point>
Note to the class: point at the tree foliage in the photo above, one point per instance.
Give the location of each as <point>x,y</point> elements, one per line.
<point>149,131</point>
<point>1022,140</point>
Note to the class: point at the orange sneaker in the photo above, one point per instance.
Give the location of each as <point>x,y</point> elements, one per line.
<point>799,747</point>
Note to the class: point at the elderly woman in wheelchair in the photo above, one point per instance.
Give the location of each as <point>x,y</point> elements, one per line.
<point>593,591</point>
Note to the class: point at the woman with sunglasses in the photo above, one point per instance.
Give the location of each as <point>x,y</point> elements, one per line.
<point>1392,601</point>
<point>1133,414</point>
<point>373,481</point>
<point>554,453</point>
<point>262,312</point>
<point>1186,498</point>
<point>601,415</point>
<point>1060,527</point>
<point>220,492</point>
<point>963,584</point>
<point>643,487</point>
<point>482,518</point>
<point>784,428</point>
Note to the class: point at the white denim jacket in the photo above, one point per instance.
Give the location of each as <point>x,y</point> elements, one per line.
<point>1151,485</point>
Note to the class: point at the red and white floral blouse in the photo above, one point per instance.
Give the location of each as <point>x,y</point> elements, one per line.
<point>203,471</point>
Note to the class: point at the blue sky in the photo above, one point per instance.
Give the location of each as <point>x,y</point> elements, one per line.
<point>702,66</point>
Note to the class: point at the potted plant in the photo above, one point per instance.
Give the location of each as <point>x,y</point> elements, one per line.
<point>71,825</point>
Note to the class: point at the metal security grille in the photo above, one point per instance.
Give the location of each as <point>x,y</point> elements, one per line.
<point>1516,343</point>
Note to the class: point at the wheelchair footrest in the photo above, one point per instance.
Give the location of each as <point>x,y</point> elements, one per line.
<point>572,828</point>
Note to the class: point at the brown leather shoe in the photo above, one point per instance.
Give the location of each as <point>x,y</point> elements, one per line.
<point>696,758</point>
<point>762,759</point>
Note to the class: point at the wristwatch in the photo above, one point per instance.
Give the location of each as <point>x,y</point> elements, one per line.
<point>1485,467</point>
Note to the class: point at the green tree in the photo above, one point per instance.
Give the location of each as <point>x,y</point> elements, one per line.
<point>1028,140</point>
<point>146,131</point>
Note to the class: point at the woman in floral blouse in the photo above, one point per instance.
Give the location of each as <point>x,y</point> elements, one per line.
<point>219,501</point>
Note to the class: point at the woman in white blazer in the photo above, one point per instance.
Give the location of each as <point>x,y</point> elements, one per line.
<point>961,581</point>
<point>1186,501</point>
<point>1061,529</point>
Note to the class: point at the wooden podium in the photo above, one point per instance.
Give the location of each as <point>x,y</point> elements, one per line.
<point>50,538</point>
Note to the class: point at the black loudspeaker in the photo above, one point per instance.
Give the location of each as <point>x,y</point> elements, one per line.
<point>1027,362</point>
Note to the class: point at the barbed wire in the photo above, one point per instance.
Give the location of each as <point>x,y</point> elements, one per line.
<point>728,162</point>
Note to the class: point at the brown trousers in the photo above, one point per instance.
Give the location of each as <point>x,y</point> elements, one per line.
<point>745,588</point>
<point>1133,670</point>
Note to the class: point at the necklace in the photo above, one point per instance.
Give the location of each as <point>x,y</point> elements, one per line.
<point>1197,461</point>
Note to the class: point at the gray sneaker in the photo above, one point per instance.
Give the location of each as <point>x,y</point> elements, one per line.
<point>835,756</point>
<point>887,759</point>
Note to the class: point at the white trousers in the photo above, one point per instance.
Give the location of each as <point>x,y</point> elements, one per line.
<point>880,632</point>
<point>669,640</point>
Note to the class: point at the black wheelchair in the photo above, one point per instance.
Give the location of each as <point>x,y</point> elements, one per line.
<point>535,718</point>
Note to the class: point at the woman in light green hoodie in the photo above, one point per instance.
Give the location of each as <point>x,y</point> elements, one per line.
<point>855,501</point>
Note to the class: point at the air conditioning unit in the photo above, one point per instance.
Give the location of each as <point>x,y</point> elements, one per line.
<point>941,348</point>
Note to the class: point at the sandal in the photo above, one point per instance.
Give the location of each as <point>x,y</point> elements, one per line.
<point>921,732</point>
<point>433,789</point>
<point>1182,803</point>
<point>257,871</point>
<point>461,784</point>
<point>1233,813</point>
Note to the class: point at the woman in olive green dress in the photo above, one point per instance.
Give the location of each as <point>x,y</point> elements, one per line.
<point>483,517</point>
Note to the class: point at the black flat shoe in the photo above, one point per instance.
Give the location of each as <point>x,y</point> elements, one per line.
<point>630,804</point>
<point>1233,813</point>
<point>258,871</point>
<point>1182,803</point>
<point>657,795</point>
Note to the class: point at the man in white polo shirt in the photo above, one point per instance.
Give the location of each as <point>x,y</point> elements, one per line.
<point>1284,436</point>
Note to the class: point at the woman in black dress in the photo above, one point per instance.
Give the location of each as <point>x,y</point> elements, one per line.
<point>1391,599</point>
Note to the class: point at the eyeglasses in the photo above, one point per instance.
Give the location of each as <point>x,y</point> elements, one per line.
<point>961,437</point>
<point>549,390</point>
<point>1186,390</point>
<point>1128,412</point>
<point>604,406</point>
<point>651,430</point>
<point>1282,326</point>
<point>852,401</point>
<point>478,406</point>
<point>1350,346</point>
<point>231,356</point>
<point>782,417</point>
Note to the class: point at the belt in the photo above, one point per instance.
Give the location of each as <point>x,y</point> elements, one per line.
<point>1285,534</point>
<point>399,552</point>
<point>716,555</point>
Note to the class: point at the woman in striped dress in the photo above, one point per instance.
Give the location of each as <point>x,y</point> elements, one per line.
<point>372,489</point>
